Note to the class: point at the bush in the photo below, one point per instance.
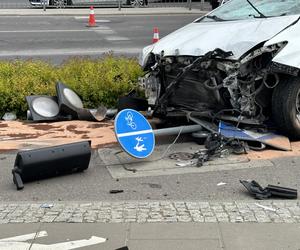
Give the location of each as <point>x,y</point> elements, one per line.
<point>97,81</point>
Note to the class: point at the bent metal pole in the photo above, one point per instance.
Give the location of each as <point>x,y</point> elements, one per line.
<point>176,130</point>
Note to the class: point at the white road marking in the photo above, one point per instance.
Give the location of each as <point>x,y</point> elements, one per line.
<point>73,51</point>
<point>25,237</point>
<point>18,242</point>
<point>97,20</point>
<point>55,31</point>
<point>105,32</point>
<point>116,38</point>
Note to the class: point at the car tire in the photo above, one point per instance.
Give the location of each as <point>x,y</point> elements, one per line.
<point>286,107</point>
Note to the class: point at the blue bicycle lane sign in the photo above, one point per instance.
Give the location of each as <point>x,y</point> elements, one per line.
<point>134,133</point>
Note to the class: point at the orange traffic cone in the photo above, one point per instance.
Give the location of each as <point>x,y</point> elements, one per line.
<point>155,35</point>
<point>92,20</point>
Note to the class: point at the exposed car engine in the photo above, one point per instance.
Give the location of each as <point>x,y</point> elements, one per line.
<point>215,86</point>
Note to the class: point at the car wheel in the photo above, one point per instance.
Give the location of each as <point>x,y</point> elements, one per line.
<point>136,3</point>
<point>286,107</point>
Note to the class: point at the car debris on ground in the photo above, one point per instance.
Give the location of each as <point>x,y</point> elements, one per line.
<point>47,205</point>
<point>270,191</point>
<point>9,116</point>
<point>265,207</point>
<point>116,191</point>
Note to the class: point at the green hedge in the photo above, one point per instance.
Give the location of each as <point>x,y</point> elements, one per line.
<point>97,81</point>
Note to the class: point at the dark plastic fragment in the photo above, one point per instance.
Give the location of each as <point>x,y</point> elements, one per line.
<point>116,191</point>
<point>270,191</point>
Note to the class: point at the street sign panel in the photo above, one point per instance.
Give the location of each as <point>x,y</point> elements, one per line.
<point>134,133</point>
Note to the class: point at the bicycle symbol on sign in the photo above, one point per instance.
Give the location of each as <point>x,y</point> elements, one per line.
<point>129,120</point>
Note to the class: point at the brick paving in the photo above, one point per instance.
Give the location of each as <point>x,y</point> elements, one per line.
<point>152,211</point>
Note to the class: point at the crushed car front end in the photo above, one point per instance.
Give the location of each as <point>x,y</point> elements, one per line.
<point>229,69</point>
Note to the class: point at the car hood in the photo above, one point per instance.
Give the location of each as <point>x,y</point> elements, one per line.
<point>290,54</point>
<point>196,39</point>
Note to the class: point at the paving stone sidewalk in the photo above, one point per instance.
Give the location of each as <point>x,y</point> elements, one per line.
<point>152,211</point>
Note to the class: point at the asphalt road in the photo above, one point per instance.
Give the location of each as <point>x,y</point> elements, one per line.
<point>56,38</point>
<point>14,3</point>
<point>11,4</point>
<point>95,183</point>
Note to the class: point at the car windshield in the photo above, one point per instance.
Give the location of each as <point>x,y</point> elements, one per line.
<point>247,9</point>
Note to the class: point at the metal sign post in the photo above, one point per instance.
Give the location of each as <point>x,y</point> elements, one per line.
<point>44,5</point>
<point>190,4</point>
<point>134,133</point>
<point>202,5</point>
<point>119,4</point>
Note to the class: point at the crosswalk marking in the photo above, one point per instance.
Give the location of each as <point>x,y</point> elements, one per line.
<point>111,34</point>
<point>116,38</point>
<point>97,20</point>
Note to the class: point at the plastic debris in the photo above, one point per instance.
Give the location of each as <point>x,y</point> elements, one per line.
<point>46,205</point>
<point>266,208</point>
<point>186,163</point>
<point>270,191</point>
<point>221,184</point>
<point>116,191</point>
<point>9,117</point>
<point>123,248</point>
<point>268,138</point>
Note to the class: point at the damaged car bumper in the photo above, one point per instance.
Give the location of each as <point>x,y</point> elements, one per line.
<point>243,70</point>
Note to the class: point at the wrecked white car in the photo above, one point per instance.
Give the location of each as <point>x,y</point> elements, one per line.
<point>238,63</point>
